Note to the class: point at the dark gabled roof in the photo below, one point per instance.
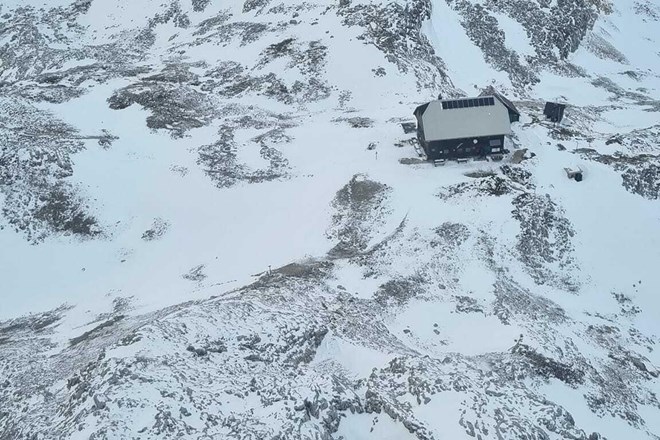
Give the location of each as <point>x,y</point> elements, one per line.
<point>490,91</point>
<point>549,106</point>
<point>420,110</point>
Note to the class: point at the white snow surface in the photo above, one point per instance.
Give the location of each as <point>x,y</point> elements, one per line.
<point>239,235</point>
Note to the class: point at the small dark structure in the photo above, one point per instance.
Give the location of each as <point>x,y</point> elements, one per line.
<point>514,114</point>
<point>408,127</point>
<point>575,174</point>
<point>462,128</point>
<point>554,111</point>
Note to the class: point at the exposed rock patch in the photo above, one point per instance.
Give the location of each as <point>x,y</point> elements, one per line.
<point>360,206</point>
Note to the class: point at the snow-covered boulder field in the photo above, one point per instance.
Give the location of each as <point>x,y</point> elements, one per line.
<point>213,224</point>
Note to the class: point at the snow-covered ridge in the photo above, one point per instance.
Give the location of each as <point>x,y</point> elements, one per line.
<point>214,226</point>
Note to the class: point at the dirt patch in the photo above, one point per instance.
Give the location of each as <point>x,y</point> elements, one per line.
<point>411,161</point>
<point>485,186</point>
<point>548,368</point>
<point>64,212</point>
<point>96,331</point>
<point>544,242</point>
<point>220,159</point>
<point>175,107</point>
<point>467,304</point>
<point>356,122</point>
<point>157,230</point>
<point>450,236</point>
<point>518,174</point>
<point>195,274</point>
<point>512,301</point>
<point>399,291</point>
<point>33,323</point>
<point>303,270</point>
<point>360,206</point>
<point>480,174</point>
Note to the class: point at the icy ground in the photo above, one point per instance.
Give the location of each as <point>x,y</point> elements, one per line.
<point>213,224</point>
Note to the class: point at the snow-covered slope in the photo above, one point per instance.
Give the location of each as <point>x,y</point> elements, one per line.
<point>214,226</point>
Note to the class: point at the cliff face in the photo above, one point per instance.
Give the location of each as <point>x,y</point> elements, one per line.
<point>213,225</point>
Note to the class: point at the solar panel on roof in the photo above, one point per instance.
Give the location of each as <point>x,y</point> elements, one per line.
<point>467,103</point>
